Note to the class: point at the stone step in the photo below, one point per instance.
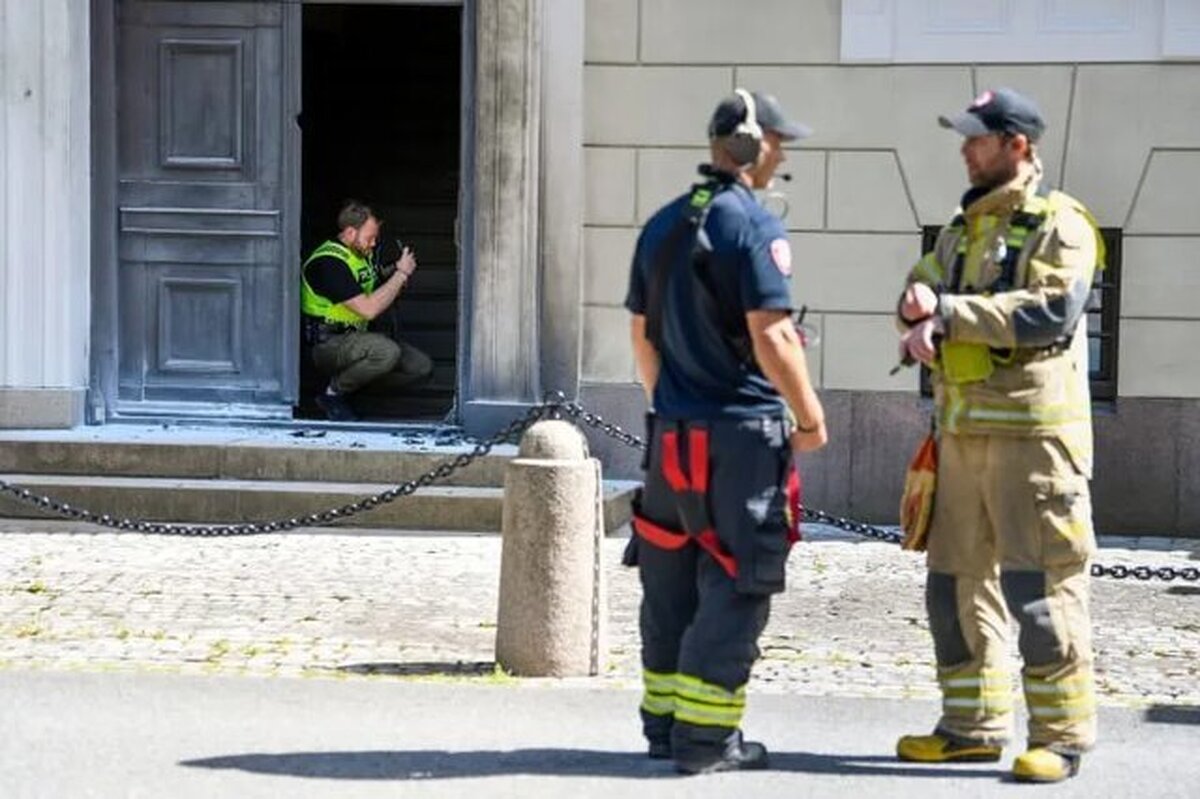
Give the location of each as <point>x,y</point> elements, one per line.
<point>233,501</point>
<point>312,454</point>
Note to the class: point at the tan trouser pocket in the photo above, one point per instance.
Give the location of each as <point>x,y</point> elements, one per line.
<point>1064,509</point>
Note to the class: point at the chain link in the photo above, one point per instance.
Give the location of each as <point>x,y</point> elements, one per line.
<point>1118,572</point>
<point>576,411</point>
<point>443,470</point>
<point>1164,573</point>
<point>555,406</point>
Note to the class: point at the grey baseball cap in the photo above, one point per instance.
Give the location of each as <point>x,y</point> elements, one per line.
<point>998,111</point>
<point>731,112</point>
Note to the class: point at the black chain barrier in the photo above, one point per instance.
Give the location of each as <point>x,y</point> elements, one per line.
<point>555,407</point>
<point>440,472</point>
<point>576,411</point>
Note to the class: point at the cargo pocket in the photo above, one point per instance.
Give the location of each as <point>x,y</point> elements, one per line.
<point>766,558</point>
<point>770,561</point>
<point>1064,509</point>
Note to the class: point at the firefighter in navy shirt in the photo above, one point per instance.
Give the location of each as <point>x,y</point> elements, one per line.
<point>724,371</point>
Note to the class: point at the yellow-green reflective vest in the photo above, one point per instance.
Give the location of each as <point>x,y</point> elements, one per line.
<point>313,304</point>
<point>968,362</point>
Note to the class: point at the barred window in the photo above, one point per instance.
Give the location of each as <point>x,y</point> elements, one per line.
<point>1103,316</point>
<point>1104,319</point>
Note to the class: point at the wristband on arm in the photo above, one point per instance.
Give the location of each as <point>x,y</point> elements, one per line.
<point>795,422</point>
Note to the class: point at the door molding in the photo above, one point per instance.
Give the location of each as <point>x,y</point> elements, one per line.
<point>279,226</point>
<point>102,385</point>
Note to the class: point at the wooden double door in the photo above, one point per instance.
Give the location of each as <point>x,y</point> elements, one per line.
<point>223,179</point>
<point>207,153</point>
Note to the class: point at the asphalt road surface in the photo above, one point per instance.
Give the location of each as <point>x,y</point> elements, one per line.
<point>89,734</point>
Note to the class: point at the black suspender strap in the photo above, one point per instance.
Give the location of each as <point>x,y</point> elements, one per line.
<point>960,253</point>
<point>690,227</point>
<point>684,230</point>
<point>656,291</point>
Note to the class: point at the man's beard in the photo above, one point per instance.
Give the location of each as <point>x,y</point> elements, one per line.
<point>992,178</point>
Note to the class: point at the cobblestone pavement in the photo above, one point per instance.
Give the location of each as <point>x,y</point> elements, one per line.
<point>424,606</point>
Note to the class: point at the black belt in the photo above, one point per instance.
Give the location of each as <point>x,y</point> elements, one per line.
<point>318,330</point>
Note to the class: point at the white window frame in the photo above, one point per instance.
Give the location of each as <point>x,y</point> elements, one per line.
<point>1019,31</point>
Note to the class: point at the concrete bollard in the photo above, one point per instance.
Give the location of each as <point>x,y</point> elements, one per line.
<point>550,618</point>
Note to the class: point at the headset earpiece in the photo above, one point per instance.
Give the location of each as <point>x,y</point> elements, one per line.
<point>745,143</point>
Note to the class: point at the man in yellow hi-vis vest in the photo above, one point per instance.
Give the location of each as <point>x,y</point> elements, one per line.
<point>338,298</point>
<point>997,310</point>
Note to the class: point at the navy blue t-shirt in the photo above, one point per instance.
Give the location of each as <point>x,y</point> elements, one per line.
<point>701,376</point>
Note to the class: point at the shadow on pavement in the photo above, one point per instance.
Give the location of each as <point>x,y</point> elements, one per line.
<point>1173,714</point>
<point>436,764</point>
<point>423,668</point>
<point>872,766</point>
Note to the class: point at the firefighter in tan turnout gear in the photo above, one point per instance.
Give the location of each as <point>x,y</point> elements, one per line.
<point>997,311</point>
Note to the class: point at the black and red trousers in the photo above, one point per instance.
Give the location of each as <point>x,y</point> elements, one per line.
<point>713,525</point>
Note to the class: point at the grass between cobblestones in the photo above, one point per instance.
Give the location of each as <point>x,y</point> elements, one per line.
<point>423,608</point>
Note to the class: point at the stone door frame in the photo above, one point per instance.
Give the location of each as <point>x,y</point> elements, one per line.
<point>522,245</point>
<point>521,304</point>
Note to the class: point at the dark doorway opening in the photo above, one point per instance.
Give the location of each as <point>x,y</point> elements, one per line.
<point>381,122</point>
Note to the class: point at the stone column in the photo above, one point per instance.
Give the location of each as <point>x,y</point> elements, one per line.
<point>501,361</point>
<point>523,282</point>
<point>45,210</point>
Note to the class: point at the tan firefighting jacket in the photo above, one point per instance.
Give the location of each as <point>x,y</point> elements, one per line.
<point>1014,274</point>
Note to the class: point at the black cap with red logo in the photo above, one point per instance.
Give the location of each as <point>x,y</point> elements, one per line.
<point>998,111</point>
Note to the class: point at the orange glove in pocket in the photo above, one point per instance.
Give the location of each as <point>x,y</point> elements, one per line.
<point>916,504</point>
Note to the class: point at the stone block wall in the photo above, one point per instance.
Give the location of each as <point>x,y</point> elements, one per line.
<point>1123,137</point>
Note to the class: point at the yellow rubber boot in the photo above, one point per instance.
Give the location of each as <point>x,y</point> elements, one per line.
<point>1043,765</point>
<point>939,749</point>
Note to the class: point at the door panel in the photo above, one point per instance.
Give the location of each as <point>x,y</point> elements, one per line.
<point>205,283</point>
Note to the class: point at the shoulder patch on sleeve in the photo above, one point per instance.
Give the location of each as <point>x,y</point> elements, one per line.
<point>781,255</point>
<point>1072,228</point>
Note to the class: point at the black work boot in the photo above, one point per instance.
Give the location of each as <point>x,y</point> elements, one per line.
<point>336,407</point>
<point>657,729</point>
<point>659,750</point>
<point>735,755</point>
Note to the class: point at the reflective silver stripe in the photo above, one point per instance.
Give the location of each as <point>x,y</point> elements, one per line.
<point>657,681</point>
<point>658,706</point>
<point>1070,711</point>
<point>659,696</point>
<point>694,688</point>
<point>990,699</point>
<point>1046,414</point>
<point>1063,688</point>
<point>705,715</point>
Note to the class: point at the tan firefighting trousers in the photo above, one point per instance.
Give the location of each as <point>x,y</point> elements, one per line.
<point>1011,539</point>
